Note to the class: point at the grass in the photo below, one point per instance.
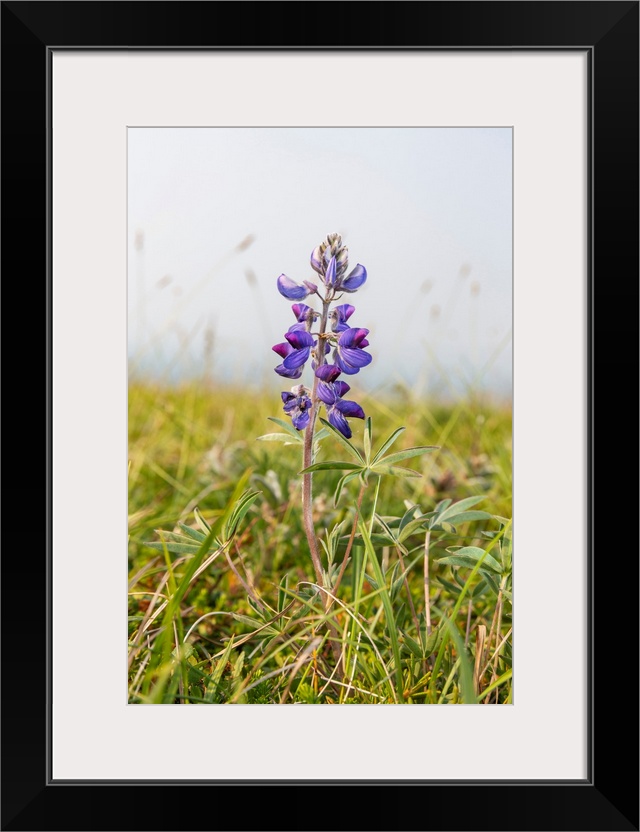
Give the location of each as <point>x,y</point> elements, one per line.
<point>224,606</point>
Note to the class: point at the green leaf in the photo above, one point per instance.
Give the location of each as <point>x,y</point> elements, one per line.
<point>407,454</point>
<point>469,556</point>
<point>341,484</point>
<point>466,670</point>
<point>413,646</point>
<point>330,466</point>
<point>388,443</point>
<point>465,517</point>
<point>243,504</point>
<point>367,438</point>
<point>285,426</point>
<point>411,528</point>
<point>355,453</point>
<point>460,506</point>
<point>175,548</point>
<point>194,533</point>
<point>281,437</point>
<point>395,471</point>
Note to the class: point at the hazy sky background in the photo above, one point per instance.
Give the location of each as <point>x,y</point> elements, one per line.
<point>216,214</point>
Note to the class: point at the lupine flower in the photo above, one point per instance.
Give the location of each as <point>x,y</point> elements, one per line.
<point>294,291</point>
<point>283,351</point>
<point>340,315</point>
<point>297,404</point>
<point>304,315</point>
<point>301,342</point>
<point>331,392</point>
<point>348,354</point>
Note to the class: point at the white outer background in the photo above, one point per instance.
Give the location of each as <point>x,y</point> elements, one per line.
<point>97,735</point>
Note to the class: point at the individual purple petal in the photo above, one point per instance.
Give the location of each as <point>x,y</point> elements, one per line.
<point>290,289</point>
<point>326,393</point>
<point>330,276</point>
<point>300,339</point>
<point>287,397</point>
<point>317,263</point>
<point>283,350</point>
<point>352,358</point>
<point>328,372</point>
<point>341,388</point>
<point>297,357</point>
<point>344,367</point>
<point>300,419</point>
<point>350,409</point>
<point>283,371</point>
<point>303,312</point>
<point>339,422</point>
<point>312,288</point>
<point>340,315</point>
<point>351,337</point>
<point>354,279</point>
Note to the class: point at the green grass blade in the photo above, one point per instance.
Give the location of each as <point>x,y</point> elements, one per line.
<point>388,609</point>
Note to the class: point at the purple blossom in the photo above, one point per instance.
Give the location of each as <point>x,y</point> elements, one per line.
<point>297,404</point>
<point>301,342</point>
<point>340,315</point>
<point>348,354</point>
<point>283,351</point>
<point>304,315</point>
<point>330,392</point>
<point>294,291</point>
<point>354,280</point>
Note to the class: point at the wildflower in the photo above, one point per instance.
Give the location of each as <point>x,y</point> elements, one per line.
<point>304,315</point>
<point>348,354</point>
<point>294,291</point>
<point>330,392</point>
<point>283,351</point>
<point>297,404</point>
<point>340,315</point>
<point>301,342</point>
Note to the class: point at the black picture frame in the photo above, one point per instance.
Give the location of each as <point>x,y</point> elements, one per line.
<point>608,798</point>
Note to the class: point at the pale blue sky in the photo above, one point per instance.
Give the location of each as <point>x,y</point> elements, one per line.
<point>426,210</point>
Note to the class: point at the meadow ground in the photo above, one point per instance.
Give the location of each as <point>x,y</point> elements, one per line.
<point>223,600</point>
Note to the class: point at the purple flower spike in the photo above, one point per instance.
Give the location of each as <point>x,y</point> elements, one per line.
<point>297,404</point>
<point>354,279</point>
<point>292,290</point>
<point>349,355</point>
<point>337,409</point>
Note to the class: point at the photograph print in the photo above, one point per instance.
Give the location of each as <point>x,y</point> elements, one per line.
<point>320,416</point>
